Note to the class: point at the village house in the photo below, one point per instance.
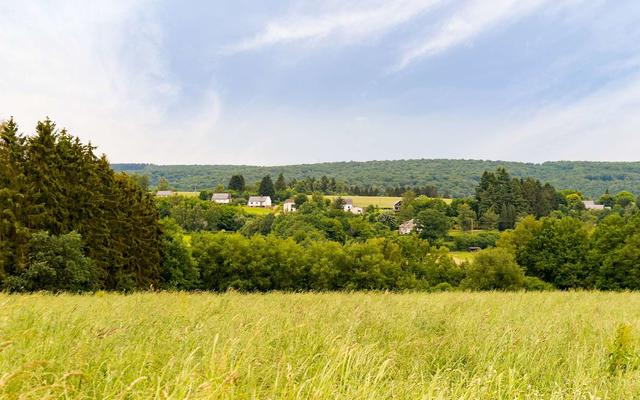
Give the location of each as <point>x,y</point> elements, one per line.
<point>259,201</point>
<point>591,205</point>
<point>349,207</point>
<point>397,206</point>
<point>221,198</point>
<point>165,193</point>
<point>348,204</point>
<point>289,206</point>
<point>407,227</point>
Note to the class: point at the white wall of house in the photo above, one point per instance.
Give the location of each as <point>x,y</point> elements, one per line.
<point>260,203</point>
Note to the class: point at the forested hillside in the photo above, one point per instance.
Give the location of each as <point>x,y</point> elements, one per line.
<point>455,178</point>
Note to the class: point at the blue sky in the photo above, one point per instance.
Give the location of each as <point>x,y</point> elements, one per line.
<point>283,81</point>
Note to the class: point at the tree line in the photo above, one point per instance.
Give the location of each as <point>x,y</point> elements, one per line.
<point>67,220</point>
<point>452,178</point>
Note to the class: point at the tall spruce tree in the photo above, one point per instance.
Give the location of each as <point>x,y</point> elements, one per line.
<point>237,183</point>
<point>52,182</point>
<point>281,184</point>
<point>266,187</point>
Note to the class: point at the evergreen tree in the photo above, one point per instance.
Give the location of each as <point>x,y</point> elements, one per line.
<point>237,183</point>
<point>266,187</point>
<point>281,184</point>
<point>52,182</point>
<point>163,184</point>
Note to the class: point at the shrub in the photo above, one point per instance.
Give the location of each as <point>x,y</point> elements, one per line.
<point>482,240</point>
<point>494,269</point>
<point>55,263</point>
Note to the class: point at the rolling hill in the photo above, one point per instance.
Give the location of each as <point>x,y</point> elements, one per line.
<point>455,178</point>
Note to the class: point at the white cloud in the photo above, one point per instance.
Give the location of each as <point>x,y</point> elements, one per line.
<point>99,70</point>
<point>602,126</point>
<point>472,19</point>
<point>365,19</point>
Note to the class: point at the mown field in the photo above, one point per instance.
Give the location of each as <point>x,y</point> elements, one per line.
<point>320,346</point>
<point>376,201</point>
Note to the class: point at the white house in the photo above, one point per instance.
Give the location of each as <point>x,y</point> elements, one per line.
<point>397,206</point>
<point>348,204</point>
<point>165,193</point>
<point>356,210</point>
<point>259,201</point>
<point>221,198</point>
<point>407,227</point>
<point>289,206</point>
<point>591,205</point>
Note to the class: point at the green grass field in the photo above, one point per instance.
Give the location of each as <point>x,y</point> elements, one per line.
<point>366,201</point>
<point>461,256</point>
<point>376,201</point>
<point>257,210</point>
<point>189,194</point>
<point>320,346</point>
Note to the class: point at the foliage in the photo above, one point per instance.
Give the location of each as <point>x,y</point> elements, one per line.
<point>56,263</point>
<point>266,187</point>
<point>457,178</point>
<point>623,353</point>
<point>482,240</point>
<point>194,215</point>
<point>237,183</point>
<point>179,270</point>
<point>512,197</point>
<point>494,269</point>
<point>432,224</point>
<point>52,182</point>
<point>263,263</point>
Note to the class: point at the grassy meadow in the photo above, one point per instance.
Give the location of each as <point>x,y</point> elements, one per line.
<point>320,346</point>
<point>376,201</point>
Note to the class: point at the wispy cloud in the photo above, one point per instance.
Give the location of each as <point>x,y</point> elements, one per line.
<point>365,19</point>
<point>472,19</point>
<point>101,71</point>
<point>603,125</point>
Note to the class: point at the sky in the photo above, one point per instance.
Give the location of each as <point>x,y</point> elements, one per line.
<point>278,82</point>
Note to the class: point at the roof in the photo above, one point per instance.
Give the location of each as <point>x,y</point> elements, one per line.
<point>259,199</point>
<point>289,201</point>
<point>591,205</point>
<point>407,224</point>
<point>221,196</point>
<point>165,193</point>
<point>348,202</point>
<point>399,202</point>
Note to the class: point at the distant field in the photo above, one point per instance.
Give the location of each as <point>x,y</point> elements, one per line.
<point>376,201</point>
<point>460,256</point>
<point>320,346</point>
<point>189,194</point>
<point>257,210</point>
<point>358,201</point>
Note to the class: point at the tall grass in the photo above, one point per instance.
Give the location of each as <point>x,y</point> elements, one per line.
<point>320,346</point>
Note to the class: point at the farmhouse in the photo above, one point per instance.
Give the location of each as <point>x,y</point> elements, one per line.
<point>289,206</point>
<point>259,201</point>
<point>348,204</point>
<point>591,205</point>
<point>397,206</point>
<point>165,193</point>
<point>407,227</point>
<point>221,198</point>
